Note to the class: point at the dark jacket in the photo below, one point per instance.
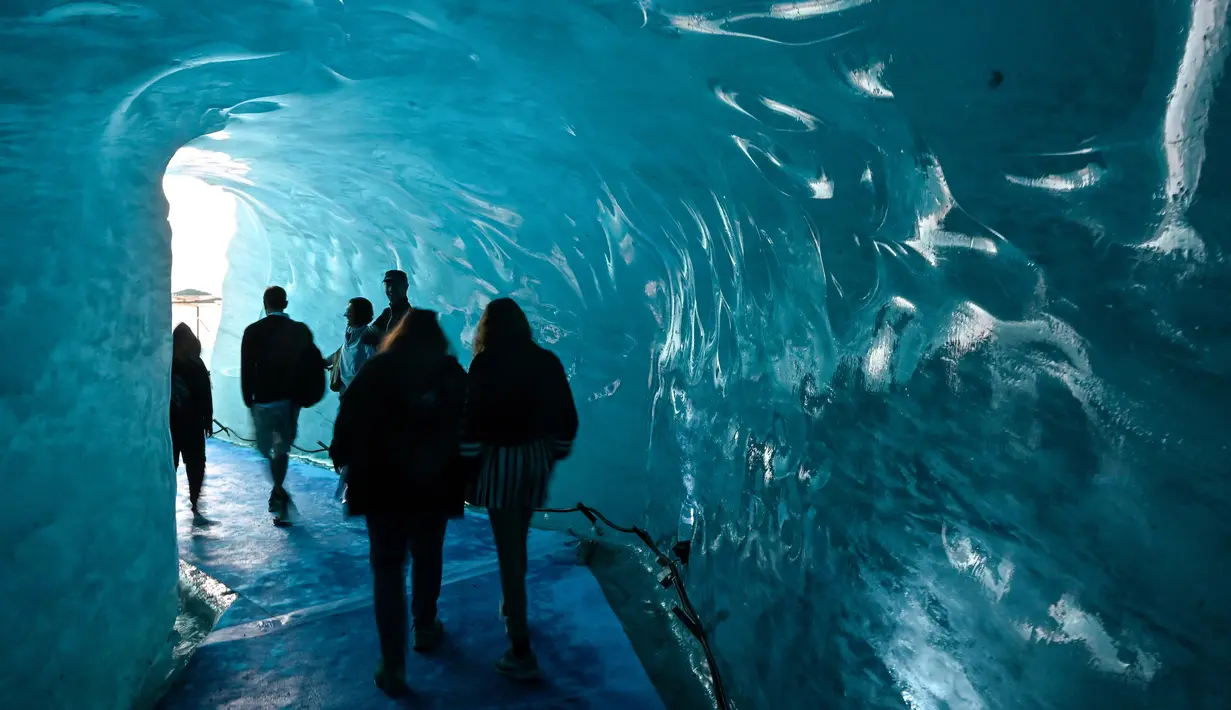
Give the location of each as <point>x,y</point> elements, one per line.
<point>397,431</point>
<point>518,396</point>
<point>192,402</point>
<point>385,322</point>
<point>270,353</point>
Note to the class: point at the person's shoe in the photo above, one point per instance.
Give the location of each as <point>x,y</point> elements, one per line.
<point>277,499</point>
<point>429,636</point>
<point>523,667</point>
<point>285,515</point>
<point>391,681</point>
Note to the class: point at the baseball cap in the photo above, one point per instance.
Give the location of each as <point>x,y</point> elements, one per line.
<point>396,276</point>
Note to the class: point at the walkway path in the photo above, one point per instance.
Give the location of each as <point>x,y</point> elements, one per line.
<point>301,633</point>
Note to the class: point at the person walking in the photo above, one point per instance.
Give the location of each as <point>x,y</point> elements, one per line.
<point>397,434</point>
<point>281,371</point>
<point>521,420</point>
<point>192,409</point>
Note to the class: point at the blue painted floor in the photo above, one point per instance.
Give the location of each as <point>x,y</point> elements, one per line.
<point>301,633</point>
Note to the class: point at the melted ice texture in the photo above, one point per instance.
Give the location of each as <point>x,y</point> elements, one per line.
<point>920,304</point>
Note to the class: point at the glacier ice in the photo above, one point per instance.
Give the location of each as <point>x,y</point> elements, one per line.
<point>917,307</point>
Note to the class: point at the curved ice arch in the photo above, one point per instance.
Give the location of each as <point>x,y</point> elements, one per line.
<point>594,176</point>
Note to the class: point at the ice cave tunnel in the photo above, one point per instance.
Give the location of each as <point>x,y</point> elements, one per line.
<point>913,303</point>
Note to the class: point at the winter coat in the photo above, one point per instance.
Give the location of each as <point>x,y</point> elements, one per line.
<point>520,421</point>
<point>192,402</point>
<point>397,431</point>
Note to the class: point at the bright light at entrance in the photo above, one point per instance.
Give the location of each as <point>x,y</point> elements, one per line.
<point>204,219</point>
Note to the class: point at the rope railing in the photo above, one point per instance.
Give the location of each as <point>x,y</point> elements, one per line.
<point>223,428</point>
<point>670,577</point>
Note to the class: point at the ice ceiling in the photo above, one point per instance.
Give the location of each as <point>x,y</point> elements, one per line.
<point>920,304</point>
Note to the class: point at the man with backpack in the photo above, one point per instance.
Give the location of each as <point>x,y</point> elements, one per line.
<point>281,371</point>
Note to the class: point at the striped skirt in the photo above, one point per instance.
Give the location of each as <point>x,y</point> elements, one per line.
<point>514,476</point>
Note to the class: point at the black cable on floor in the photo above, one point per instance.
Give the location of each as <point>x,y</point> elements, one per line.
<point>672,578</point>
<point>685,612</point>
<point>231,432</point>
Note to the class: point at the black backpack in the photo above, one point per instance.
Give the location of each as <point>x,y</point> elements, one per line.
<point>434,441</point>
<point>310,378</point>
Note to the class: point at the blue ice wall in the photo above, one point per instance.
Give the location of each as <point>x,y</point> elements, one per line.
<point>920,305</point>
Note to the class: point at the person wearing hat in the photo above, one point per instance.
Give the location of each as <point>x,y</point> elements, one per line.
<point>396,285</point>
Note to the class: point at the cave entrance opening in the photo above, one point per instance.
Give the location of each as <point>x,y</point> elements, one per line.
<point>204,219</point>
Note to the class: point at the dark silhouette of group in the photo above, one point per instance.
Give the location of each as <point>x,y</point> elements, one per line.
<point>419,436</point>
<point>416,437</point>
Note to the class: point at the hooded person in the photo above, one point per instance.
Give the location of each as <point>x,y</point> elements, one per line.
<point>192,409</point>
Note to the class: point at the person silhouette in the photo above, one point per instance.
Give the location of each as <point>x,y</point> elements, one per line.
<point>279,362</point>
<point>520,421</point>
<point>192,409</point>
<point>398,433</point>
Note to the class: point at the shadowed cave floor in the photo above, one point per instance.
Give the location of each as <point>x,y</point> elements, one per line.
<point>301,634</point>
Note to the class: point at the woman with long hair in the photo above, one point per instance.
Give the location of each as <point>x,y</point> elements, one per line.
<point>192,409</point>
<point>398,433</point>
<point>520,422</point>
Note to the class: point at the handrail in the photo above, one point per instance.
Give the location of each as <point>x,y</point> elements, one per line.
<point>231,432</point>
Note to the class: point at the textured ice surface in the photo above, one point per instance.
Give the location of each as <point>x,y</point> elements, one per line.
<point>921,305</point>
